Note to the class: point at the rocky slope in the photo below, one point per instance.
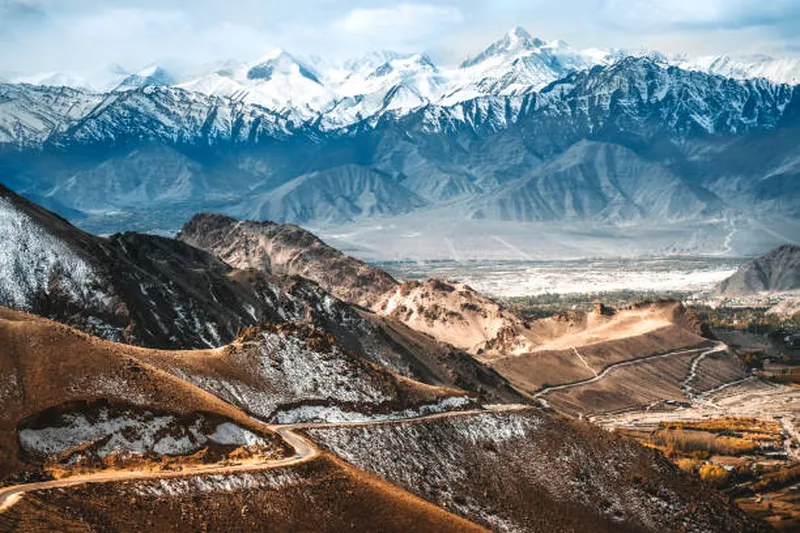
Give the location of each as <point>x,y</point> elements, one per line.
<point>75,396</point>
<point>74,404</point>
<point>603,360</point>
<point>289,250</point>
<point>343,498</point>
<point>528,471</point>
<point>532,355</point>
<point>776,271</point>
<point>162,293</point>
<point>67,393</point>
<point>115,398</point>
<point>136,288</point>
<point>293,372</point>
<point>454,313</point>
<point>451,313</point>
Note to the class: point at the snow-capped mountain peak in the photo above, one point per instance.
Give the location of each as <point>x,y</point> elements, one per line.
<point>519,38</point>
<point>406,66</point>
<point>513,43</point>
<point>278,80</point>
<point>281,63</point>
<point>341,93</point>
<point>150,75</point>
<point>516,64</point>
<point>372,60</point>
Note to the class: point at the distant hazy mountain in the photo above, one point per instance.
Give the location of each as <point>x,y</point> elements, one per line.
<point>333,195</point>
<point>777,70</point>
<point>597,181</point>
<point>152,75</point>
<point>776,271</point>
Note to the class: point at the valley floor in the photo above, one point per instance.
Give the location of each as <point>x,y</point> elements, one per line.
<point>424,237</point>
<point>748,428</point>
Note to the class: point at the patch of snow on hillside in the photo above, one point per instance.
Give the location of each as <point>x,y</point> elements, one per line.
<point>231,434</point>
<point>209,484</point>
<point>286,371</point>
<point>131,432</point>
<point>330,414</point>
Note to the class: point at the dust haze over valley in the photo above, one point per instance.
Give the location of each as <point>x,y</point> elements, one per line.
<point>540,287</point>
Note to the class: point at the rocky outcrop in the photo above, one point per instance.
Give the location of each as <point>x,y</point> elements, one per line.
<point>287,249</point>
<point>454,313</point>
<point>776,271</point>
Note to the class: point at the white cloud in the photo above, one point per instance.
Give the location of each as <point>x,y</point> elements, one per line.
<point>75,35</point>
<point>652,12</point>
<point>702,13</point>
<point>407,22</point>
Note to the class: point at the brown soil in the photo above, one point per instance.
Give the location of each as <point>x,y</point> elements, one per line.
<point>541,369</point>
<point>44,364</point>
<point>577,346</point>
<point>324,495</point>
<point>626,388</point>
<point>551,475</point>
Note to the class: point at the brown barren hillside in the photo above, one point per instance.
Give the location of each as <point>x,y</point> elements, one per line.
<point>294,372</point>
<point>531,471</point>
<point>290,250</point>
<point>458,315</point>
<point>609,360</point>
<point>425,317</point>
<point>45,365</point>
<point>66,394</point>
<point>449,312</point>
<point>576,346</point>
<point>324,495</point>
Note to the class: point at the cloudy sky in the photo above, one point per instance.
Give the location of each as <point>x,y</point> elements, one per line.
<point>80,35</point>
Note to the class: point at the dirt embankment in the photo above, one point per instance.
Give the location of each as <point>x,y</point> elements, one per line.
<point>325,495</point>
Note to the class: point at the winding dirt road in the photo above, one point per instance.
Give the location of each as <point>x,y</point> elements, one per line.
<point>718,346</point>
<point>304,450</point>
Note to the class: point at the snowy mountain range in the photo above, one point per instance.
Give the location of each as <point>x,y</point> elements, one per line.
<point>345,92</point>
<point>526,132</point>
